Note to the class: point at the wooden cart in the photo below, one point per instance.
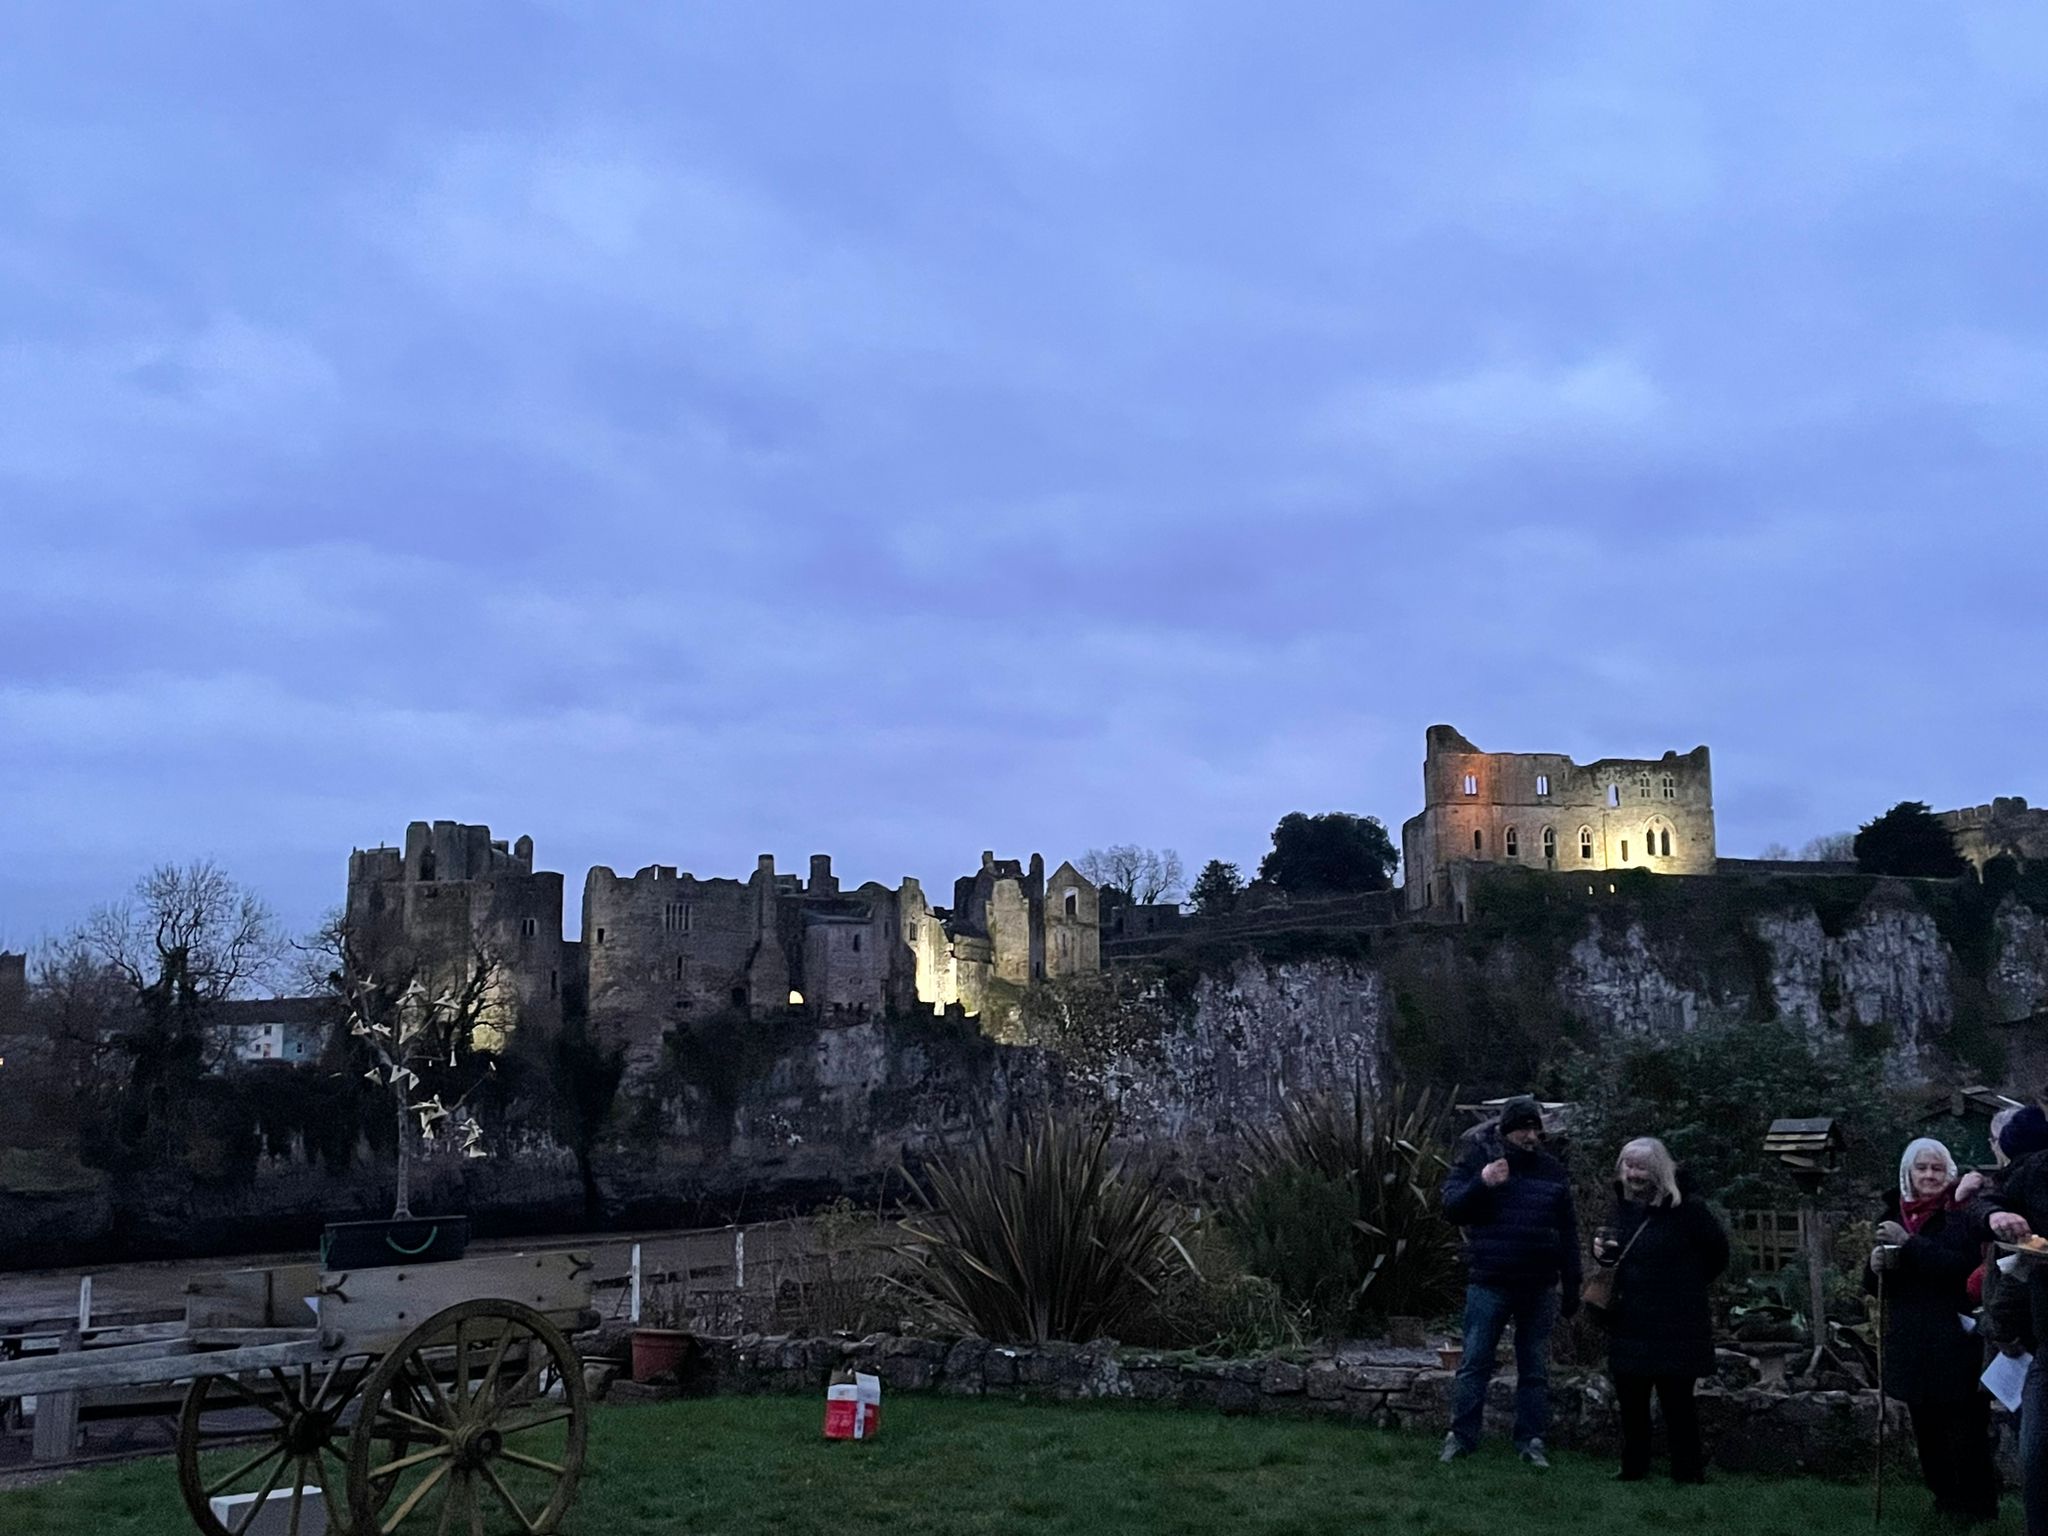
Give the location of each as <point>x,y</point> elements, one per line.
<point>438,1399</point>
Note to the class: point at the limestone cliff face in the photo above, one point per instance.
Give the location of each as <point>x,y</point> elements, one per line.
<point>1887,973</point>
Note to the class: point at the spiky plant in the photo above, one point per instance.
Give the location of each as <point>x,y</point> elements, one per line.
<point>1037,1230</point>
<point>1340,1204</point>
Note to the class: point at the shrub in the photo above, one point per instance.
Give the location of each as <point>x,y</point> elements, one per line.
<point>1035,1232</point>
<point>1341,1206</point>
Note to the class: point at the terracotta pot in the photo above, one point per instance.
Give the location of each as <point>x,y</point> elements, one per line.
<point>1450,1357</point>
<point>660,1351</point>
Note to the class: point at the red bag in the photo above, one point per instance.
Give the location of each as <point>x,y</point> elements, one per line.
<point>853,1406</point>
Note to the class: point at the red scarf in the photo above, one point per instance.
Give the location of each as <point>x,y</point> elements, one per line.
<point>1913,1213</point>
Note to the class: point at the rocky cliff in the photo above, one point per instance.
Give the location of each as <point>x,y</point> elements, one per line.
<point>1948,983</point>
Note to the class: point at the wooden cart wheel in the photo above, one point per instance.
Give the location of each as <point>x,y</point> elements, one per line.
<point>475,1422</point>
<point>273,1433</point>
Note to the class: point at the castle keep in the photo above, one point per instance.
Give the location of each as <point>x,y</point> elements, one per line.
<point>662,948</point>
<point>1544,811</point>
<point>451,894</point>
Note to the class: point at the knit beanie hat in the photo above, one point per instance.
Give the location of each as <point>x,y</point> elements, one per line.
<point>2026,1132</point>
<point>1521,1113</point>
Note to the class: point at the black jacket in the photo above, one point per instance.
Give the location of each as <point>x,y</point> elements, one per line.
<point>1661,1323</point>
<point>1927,1355</point>
<point>1523,1235</point>
<point>2023,1188</point>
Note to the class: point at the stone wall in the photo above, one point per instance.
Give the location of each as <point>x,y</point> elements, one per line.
<point>1746,1428</point>
<point>1616,813</point>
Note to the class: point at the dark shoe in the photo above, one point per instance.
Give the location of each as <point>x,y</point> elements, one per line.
<point>1532,1453</point>
<point>1453,1449</point>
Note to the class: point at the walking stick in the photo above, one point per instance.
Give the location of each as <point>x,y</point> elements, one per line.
<point>1877,1511</point>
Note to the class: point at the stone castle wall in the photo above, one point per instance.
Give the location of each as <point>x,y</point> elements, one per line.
<point>1543,811</point>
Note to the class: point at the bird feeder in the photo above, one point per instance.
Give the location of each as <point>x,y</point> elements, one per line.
<point>1809,1150</point>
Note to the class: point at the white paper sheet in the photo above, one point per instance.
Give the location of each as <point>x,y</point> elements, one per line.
<point>2005,1376</point>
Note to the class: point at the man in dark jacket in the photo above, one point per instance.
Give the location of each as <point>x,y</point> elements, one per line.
<point>1515,1200</point>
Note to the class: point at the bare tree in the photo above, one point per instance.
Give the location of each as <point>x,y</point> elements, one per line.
<point>1144,875</point>
<point>424,1029</point>
<point>1831,847</point>
<point>197,920</point>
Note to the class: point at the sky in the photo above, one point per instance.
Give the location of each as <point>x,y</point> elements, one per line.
<point>681,432</point>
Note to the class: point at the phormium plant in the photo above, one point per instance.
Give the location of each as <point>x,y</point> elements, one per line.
<point>1037,1231</point>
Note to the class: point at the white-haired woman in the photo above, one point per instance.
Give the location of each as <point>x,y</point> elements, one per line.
<point>1665,1248</point>
<point>1927,1246</point>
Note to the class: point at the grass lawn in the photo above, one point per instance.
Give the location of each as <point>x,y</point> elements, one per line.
<point>740,1466</point>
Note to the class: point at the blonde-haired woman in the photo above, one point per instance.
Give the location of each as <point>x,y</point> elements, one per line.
<point>1665,1248</point>
<point>1926,1247</point>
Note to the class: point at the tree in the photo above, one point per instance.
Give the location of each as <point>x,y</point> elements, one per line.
<point>185,941</point>
<point>1829,848</point>
<point>1216,888</point>
<point>1909,839</point>
<point>1141,875</point>
<point>427,1034</point>
<point>1333,852</point>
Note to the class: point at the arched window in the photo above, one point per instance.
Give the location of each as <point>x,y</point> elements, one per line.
<point>1613,795</point>
<point>1478,841</point>
<point>1585,842</point>
<point>1471,783</point>
<point>1073,903</point>
<point>1550,844</point>
<point>1666,835</point>
<point>1514,845</point>
<point>1643,785</point>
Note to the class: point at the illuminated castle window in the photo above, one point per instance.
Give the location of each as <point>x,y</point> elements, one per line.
<point>1613,795</point>
<point>1471,783</point>
<point>1542,783</point>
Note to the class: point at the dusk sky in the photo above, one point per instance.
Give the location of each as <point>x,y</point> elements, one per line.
<point>687,431</point>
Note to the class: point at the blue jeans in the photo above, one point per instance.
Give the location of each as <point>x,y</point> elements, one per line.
<point>1487,1315</point>
<point>2034,1447</point>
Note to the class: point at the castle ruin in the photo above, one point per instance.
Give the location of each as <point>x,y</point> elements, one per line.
<point>1541,810</point>
<point>663,948</point>
<point>2008,827</point>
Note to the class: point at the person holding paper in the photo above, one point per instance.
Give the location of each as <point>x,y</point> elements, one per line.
<point>1927,1247</point>
<point>1665,1248</point>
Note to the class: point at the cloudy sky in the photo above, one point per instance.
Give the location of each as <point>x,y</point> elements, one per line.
<point>685,431</point>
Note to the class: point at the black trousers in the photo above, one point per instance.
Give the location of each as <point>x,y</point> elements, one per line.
<point>1681,1425</point>
<point>1953,1436</point>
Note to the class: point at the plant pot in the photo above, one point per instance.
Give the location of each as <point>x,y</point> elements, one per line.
<point>661,1351</point>
<point>1450,1356</point>
<point>384,1244</point>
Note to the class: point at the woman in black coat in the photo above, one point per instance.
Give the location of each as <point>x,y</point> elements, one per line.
<point>1665,1247</point>
<point>1926,1250</point>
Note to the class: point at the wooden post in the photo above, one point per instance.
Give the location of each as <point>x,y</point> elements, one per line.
<point>56,1433</point>
<point>84,1303</point>
<point>1816,1263</point>
<point>739,1259</point>
<point>636,1285</point>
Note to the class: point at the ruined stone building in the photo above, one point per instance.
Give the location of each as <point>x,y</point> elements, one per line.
<point>663,948</point>
<point>451,893</point>
<point>2008,826</point>
<point>1543,811</point>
